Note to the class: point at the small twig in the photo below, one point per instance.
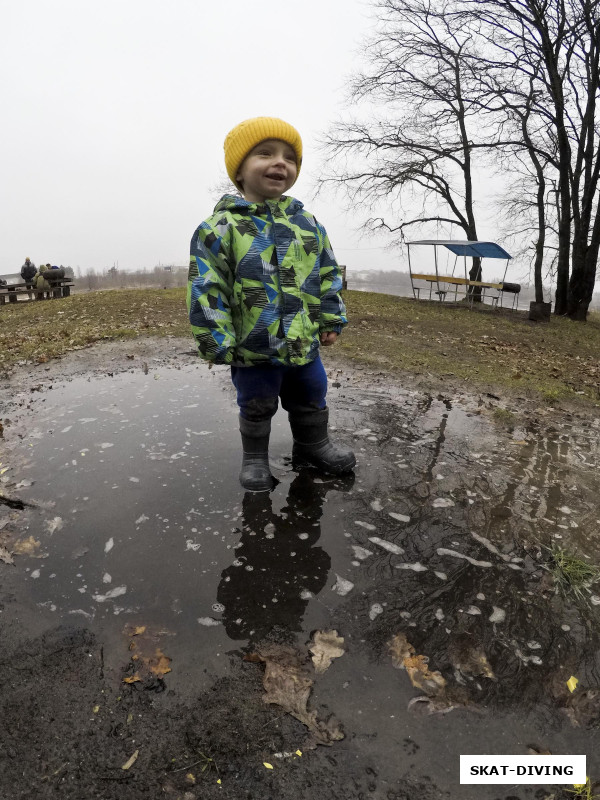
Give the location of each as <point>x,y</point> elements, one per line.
<point>189,766</point>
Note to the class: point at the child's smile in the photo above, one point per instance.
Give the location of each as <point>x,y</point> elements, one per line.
<point>268,171</point>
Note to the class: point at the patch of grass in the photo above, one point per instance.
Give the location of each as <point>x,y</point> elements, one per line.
<point>504,416</point>
<point>551,396</point>
<point>39,331</point>
<point>583,791</point>
<point>483,349</point>
<point>572,574</point>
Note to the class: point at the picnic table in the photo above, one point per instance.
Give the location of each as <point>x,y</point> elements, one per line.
<point>60,286</point>
<point>457,285</point>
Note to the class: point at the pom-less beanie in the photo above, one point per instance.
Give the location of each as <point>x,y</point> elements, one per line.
<point>241,139</point>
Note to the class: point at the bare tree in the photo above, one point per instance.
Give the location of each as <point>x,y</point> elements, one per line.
<point>545,54</point>
<point>420,153</point>
<point>525,152</point>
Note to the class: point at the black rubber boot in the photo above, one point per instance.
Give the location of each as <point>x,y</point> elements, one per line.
<point>312,444</point>
<point>255,475</point>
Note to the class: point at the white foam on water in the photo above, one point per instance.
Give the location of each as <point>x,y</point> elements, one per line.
<point>389,546</point>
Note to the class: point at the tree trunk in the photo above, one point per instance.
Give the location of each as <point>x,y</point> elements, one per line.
<point>581,285</point>
<point>475,275</point>
<point>541,240</point>
<point>564,246</point>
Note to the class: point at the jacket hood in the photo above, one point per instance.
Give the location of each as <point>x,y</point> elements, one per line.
<point>231,202</point>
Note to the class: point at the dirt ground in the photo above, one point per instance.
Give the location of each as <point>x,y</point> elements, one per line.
<point>69,725</point>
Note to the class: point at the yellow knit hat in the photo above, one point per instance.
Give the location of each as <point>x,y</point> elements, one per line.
<point>241,139</point>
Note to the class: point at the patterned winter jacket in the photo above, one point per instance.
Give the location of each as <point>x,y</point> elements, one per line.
<point>263,283</point>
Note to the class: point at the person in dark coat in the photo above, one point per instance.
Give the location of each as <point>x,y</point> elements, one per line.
<point>28,272</point>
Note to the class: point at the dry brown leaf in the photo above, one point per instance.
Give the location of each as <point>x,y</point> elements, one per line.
<point>441,703</point>
<point>400,649</point>
<point>468,658</point>
<point>159,663</point>
<point>131,761</point>
<point>26,547</point>
<point>288,683</point>
<point>404,657</point>
<point>149,659</point>
<point>134,630</point>
<point>421,676</point>
<point>536,750</point>
<point>5,556</point>
<point>325,646</point>
<point>132,679</point>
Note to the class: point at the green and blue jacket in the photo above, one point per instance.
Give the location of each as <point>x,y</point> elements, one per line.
<point>263,284</point>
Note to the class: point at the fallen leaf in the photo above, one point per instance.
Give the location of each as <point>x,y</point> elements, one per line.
<point>421,676</point>
<point>5,556</point>
<point>400,649</point>
<point>433,683</point>
<point>572,683</point>
<point>288,684</point>
<point>132,679</point>
<point>469,659</point>
<point>26,547</point>
<point>325,646</point>
<point>442,703</point>
<point>535,750</point>
<point>159,664</point>
<point>267,765</point>
<point>131,761</point>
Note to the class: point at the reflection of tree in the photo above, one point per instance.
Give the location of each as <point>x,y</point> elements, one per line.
<point>277,564</point>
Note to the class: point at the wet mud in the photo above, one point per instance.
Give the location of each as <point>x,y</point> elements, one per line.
<point>137,579</point>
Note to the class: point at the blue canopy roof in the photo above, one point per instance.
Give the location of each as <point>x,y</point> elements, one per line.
<point>467,248</point>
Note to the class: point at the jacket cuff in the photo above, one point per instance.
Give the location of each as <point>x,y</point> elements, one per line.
<point>331,328</point>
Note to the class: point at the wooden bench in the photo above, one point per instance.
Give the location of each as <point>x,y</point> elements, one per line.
<point>451,280</point>
<point>60,287</point>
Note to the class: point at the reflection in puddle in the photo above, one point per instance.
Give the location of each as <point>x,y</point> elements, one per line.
<point>278,566</point>
<point>138,514</point>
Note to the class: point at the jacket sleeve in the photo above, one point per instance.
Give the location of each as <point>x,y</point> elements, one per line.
<point>333,310</point>
<point>210,285</point>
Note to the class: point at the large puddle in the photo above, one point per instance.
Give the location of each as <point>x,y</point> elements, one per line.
<point>443,536</point>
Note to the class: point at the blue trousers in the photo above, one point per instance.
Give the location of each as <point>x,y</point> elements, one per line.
<point>258,388</point>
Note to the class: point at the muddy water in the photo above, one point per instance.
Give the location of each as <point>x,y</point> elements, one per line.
<point>131,482</point>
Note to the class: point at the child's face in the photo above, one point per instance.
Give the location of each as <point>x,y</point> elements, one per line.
<point>268,171</point>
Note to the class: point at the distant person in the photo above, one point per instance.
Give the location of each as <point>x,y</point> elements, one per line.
<point>42,287</point>
<point>28,273</point>
<point>264,295</point>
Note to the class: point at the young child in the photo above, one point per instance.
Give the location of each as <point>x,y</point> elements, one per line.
<point>263,295</point>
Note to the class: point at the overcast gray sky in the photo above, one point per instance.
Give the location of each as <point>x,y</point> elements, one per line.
<point>115,114</point>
